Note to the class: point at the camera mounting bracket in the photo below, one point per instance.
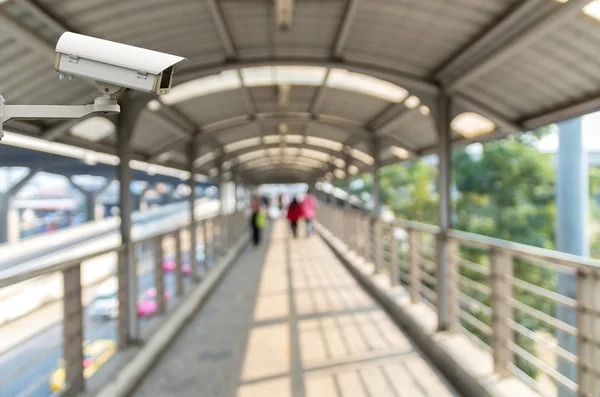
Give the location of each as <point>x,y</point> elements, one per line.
<point>104,104</point>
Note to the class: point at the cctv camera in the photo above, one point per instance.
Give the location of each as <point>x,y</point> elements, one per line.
<point>114,66</point>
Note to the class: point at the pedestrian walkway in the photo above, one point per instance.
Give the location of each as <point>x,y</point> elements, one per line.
<point>290,321</point>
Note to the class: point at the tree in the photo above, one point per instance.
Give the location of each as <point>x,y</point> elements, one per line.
<point>508,193</point>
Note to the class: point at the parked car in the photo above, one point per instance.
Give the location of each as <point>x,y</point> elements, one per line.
<point>147,306</point>
<point>105,304</point>
<point>95,354</point>
<point>104,308</point>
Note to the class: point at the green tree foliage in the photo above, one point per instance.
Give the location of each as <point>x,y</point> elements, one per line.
<point>508,193</point>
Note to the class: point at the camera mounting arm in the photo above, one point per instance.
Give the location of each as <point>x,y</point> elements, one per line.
<point>104,104</point>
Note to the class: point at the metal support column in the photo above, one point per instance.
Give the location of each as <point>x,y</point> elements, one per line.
<point>443,115</point>
<point>179,287</point>
<point>572,202</point>
<point>90,201</point>
<point>376,185</point>
<point>73,331</point>
<point>9,232</point>
<point>128,328</point>
<point>193,154</point>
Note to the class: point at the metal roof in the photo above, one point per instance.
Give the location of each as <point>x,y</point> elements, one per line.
<point>362,75</point>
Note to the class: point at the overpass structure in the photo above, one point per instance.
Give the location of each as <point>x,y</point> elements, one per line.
<point>307,91</point>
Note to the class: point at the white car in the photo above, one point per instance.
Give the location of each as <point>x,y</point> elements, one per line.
<point>104,308</point>
<point>105,305</point>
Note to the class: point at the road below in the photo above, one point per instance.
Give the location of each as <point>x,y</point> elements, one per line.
<point>26,369</point>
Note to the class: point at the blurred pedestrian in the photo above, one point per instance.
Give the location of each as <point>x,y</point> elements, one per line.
<point>257,222</point>
<point>294,214</point>
<point>309,211</point>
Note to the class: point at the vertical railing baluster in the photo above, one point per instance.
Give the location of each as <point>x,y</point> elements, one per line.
<point>453,288</point>
<point>159,275</point>
<point>414,268</point>
<point>393,252</point>
<point>128,321</point>
<point>205,245</point>
<point>367,238</point>
<point>73,331</point>
<point>179,264</point>
<point>378,254</point>
<point>502,270</point>
<point>588,340</point>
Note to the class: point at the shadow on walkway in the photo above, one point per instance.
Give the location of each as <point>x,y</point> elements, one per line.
<point>289,321</point>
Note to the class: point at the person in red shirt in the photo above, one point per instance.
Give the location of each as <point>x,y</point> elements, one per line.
<point>294,214</point>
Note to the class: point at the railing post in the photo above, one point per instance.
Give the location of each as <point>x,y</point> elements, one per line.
<point>205,244</point>
<point>378,229</point>
<point>127,273</point>
<point>453,289</point>
<point>216,236</point>
<point>179,264</point>
<point>588,305</point>
<point>193,242</point>
<point>393,255</point>
<point>501,272</point>
<point>367,238</point>
<point>159,276</point>
<point>414,268</point>
<point>73,331</point>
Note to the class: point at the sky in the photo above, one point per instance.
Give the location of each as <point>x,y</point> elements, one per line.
<point>591,135</point>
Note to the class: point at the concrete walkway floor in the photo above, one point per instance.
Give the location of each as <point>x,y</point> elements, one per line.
<point>290,321</point>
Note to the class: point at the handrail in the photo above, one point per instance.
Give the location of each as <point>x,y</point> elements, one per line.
<point>50,264</point>
<point>490,299</point>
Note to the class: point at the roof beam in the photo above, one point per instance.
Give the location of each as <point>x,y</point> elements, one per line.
<point>502,122</point>
<point>317,100</point>
<point>488,38</point>
<point>383,130</point>
<point>575,109</point>
<point>59,130</point>
<point>20,33</point>
<point>560,15</point>
<point>417,85</point>
<point>247,96</point>
<point>222,29</point>
<point>344,30</point>
<point>385,116</point>
<point>178,118</point>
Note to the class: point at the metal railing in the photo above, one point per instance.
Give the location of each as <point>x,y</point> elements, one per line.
<point>88,325</point>
<point>504,296</point>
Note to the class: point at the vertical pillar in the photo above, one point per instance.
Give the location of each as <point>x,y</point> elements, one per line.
<point>393,255</point>
<point>73,331</point>
<point>445,206</point>
<point>502,271</point>
<point>128,328</point>
<point>4,217</point>
<point>376,185</point>
<point>192,155</point>
<point>159,275</point>
<point>588,285</point>
<point>378,234</point>
<point>414,268</point>
<point>9,218</point>
<point>205,245</point>
<point>178,264</point>
<point>572,202</point>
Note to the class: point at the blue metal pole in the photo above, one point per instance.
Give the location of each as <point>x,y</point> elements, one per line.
<point>572,203</point>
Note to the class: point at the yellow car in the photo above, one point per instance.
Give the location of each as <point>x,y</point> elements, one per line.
<point>95,354</point>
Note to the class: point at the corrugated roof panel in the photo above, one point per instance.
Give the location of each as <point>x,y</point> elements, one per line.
<point>352,106</point>
<point>314,28</point>
<point>216,107</point>
<point>250,24</point>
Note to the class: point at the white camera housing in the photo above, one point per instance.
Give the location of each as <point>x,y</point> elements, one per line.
<point>115,65</point>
